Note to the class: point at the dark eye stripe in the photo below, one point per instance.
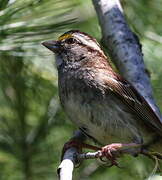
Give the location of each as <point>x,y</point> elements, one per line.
<point>70,40</point>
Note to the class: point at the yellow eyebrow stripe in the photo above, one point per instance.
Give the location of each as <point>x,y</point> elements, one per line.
<point>64,37</point>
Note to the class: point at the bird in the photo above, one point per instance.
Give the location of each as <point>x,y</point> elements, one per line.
<point>99,101</point>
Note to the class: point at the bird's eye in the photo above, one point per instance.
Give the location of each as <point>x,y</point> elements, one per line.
<point>71,40</point>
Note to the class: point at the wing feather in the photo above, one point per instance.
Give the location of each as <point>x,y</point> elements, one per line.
<point>130,96</point>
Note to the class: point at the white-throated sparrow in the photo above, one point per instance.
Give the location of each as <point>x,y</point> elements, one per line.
<point>98,100</point>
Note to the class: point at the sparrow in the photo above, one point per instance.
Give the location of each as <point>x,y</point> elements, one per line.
<point>104,105</point>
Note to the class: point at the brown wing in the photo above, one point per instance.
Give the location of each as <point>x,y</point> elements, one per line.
<point>129,95</point>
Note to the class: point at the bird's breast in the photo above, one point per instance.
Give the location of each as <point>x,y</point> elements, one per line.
<point>102,118</point>
<point>99,111</point>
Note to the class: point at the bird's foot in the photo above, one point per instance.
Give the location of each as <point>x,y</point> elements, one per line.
<point>78,145</point>
<point>115,150</point>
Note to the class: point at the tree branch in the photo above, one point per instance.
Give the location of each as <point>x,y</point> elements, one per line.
<point>66,167</point>
<point>70,159</point>
<point>124,47</point>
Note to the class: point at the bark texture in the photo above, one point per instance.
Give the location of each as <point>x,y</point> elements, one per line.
<point>124,47</point>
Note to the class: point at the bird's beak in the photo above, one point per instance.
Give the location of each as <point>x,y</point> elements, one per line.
<point>52,45</point>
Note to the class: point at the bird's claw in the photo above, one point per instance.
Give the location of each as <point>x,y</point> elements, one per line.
<point>111,152</point>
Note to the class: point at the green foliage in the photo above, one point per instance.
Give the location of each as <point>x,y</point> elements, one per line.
<point>29,109</point>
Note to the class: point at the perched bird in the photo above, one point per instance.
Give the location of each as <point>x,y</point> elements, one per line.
<point>99,101</point>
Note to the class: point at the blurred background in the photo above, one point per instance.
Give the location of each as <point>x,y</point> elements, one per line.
<point>33,127</point>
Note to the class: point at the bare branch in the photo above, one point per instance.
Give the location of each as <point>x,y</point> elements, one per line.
<point>70,159</point>
<point>66,167</point>
<point>124,47</point>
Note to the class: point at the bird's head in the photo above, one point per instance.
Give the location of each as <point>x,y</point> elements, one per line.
<point>74,46</point>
